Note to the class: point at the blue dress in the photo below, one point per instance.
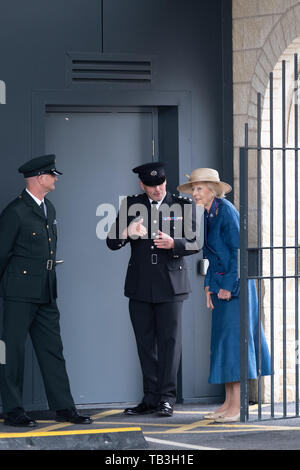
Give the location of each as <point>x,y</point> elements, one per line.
<point>221,249</point>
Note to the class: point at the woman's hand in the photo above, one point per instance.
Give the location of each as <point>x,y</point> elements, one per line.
<point>209,303</point>
<point>224,294</point>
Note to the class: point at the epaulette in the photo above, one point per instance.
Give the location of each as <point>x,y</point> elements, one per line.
<point>183,198</point>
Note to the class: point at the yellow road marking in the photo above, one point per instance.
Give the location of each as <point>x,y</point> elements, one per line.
<point>140,424</point>
<point>67,433</point>
<point>187,427</point>
<point>103,414</point>
<point>46,421</point>
<point>226,428</point>
<point>56,426</point>
<point>202,431</point>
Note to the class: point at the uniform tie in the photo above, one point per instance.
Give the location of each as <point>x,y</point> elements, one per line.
<point>43,207</point>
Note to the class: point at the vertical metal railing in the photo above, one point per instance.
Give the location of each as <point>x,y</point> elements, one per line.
<point>283,137</point>
<point>271,117</point>
<point>244,278</point>
<point>258,272</point>
<point>259,244</point>
<point>296,97</point>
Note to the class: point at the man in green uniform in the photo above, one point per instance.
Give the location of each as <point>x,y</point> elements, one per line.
<point>28,235</point>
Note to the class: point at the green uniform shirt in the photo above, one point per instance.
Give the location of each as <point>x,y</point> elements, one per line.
<point>27,251</point>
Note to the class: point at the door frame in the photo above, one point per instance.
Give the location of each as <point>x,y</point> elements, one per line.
<point>179,100</point>
<point>174,102</point>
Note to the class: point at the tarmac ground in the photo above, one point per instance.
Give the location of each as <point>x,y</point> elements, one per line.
<point>185,430</point>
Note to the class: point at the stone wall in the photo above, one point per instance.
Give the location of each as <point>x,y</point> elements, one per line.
<point>265,32</point>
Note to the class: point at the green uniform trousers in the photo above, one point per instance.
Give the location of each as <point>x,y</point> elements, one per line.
<point>41,321</point>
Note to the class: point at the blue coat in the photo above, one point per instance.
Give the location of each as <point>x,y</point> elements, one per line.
<point>222,235</point>
<point>222,241</point>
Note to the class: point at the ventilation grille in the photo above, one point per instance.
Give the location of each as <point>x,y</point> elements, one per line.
<point>91,68</point>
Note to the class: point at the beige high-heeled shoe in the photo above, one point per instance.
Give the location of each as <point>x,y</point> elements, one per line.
<point>228,419</point>
<point>214,415</point>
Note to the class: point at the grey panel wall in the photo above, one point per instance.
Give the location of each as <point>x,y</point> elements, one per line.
<point>191,44</point>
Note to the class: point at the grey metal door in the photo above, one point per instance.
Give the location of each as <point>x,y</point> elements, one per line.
<point>96,152</point>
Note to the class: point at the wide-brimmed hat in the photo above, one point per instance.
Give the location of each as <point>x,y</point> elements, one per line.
<point>203,175</point>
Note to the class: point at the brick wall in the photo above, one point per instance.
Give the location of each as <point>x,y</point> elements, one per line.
<point>265,32</point>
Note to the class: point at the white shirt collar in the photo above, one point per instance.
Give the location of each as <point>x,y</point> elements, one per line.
<point>37,200</point>
<point>158,202</point>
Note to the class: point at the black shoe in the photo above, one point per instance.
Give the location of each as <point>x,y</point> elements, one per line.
<point>165,409</point>
<point>72,416</point>
<point>141,409</point>
<point>19,419</point>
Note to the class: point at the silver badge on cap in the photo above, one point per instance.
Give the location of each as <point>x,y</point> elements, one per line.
<point>153,173</point>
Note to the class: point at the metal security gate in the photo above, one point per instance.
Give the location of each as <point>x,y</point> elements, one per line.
<point>269,249</point>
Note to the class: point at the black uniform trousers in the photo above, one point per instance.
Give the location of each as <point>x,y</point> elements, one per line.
<point>41,321</point>
<point>158,328</point>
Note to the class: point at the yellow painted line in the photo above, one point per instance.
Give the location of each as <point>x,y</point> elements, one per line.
<point>67,433</point>
<point>208,431</point>
<point>207,422</point>
<point>278,428</point>
<point>46,421</point>
<point>226,428</point>
<point>56,426</point>
<point>199,432</point>
<point>140,424</point>
<point>103,414</point>
<point>187,427</point>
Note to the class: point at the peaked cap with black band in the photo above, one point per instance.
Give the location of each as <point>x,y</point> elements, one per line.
<point>151,174</point>
<point>40,166</point>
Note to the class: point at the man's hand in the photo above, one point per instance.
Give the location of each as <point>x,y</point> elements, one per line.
<point>164,241</point>
<point>135,230</point>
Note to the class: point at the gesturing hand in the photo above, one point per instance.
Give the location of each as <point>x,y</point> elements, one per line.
<point>137,229</point>
<point>164,241</point>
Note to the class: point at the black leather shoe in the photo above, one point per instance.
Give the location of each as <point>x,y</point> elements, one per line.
<point>20,419</point>
<point>72,416</point>
<point>141,409</point>
<point>165,409</point>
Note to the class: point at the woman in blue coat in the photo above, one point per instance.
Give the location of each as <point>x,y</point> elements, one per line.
<point>222,286</point>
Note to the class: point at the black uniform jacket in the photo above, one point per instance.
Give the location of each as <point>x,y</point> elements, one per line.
<point>27,251</point>
<point>156,274</point>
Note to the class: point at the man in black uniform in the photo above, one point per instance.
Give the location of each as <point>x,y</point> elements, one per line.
<point>28,234</point>
<point>155,224</point>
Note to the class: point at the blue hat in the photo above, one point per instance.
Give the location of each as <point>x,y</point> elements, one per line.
<point>40,166</point>
<point>151,174</point>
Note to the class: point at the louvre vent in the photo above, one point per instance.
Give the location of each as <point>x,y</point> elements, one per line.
<point>87,68</point>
